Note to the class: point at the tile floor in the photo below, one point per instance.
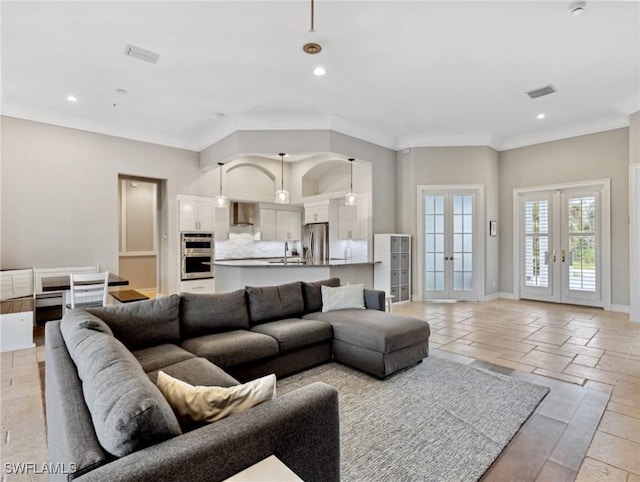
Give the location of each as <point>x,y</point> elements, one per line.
<point>596,352</point>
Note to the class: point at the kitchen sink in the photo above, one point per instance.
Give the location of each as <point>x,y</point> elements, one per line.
<point>289,261</point>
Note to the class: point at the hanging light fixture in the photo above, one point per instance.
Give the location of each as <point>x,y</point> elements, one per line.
<point>351,198</point>
<point>221,201</point>
<point>282,195</point>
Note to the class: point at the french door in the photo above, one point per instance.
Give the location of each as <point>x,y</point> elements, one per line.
<point>560,246</point>
<point>449,244</point>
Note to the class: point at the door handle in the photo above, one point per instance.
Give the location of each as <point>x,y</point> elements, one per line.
<point>563,256</point>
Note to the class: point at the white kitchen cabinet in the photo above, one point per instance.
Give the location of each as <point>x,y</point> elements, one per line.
<point>198,286</point>
<point>353,221</point>
<point>393,272</point>
<point>288,225</point>
<point>316,213</point>
<point>280,224</point>
<point>268,224</point>
<point>196,214</point>
<point>221,224</point>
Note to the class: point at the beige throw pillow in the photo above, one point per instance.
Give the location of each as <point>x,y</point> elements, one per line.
<point>346,297</point>
<point>208,404</point>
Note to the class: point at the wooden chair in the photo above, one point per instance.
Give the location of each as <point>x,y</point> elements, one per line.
<point>88,290</point>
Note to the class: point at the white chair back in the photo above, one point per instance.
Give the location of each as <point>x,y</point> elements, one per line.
<point>89,289</point>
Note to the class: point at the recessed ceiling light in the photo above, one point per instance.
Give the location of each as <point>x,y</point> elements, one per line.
<point>540,116</point>
<point>121,91</point>
<point>72,98</point>
<point>319,71</point>
<point>577,8</point>
<point>220,115</point>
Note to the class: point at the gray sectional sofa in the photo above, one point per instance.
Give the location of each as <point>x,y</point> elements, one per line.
<point>106,419</point>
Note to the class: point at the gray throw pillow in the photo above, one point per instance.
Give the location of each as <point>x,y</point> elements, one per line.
<point>143,323</point>
<point>203,314</point>
<point>312,294</point>
<point>269,303</point>
<point>128,411</point>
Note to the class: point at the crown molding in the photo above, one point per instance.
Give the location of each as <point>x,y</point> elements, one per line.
<point>629,105</point>
<point>565,132</point>
<point>446,140</point>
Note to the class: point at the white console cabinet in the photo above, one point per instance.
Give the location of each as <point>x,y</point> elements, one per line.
<point>393,272</point>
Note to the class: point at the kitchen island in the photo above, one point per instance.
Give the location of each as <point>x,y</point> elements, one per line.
<point>232,275</point>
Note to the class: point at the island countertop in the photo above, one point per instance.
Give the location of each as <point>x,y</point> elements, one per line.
<point>234,274</point>
<point>263,263</point>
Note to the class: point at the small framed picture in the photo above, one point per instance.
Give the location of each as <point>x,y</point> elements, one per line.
<point>493,228</point>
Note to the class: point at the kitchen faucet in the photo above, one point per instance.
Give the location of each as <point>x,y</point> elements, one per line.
<point>286,248</point>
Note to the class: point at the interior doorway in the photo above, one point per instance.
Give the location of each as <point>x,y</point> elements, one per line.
<point>450,243</point>
<point>139,246</point>
<point>563,244</point>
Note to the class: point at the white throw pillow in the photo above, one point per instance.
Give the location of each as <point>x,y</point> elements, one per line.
<point>208,404</point>
<point>342,298</point>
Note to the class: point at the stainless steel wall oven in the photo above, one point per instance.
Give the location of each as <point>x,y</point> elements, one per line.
<point>198,255</point>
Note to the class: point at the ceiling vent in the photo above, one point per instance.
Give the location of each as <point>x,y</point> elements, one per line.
<point>542,91</point>
<point>141,54</point>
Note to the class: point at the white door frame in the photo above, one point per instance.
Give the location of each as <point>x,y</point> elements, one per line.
<point>634,241</point>
<point>478,238</point>
<point>605,217</point>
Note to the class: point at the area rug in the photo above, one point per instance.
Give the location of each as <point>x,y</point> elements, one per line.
<point>437,421</point>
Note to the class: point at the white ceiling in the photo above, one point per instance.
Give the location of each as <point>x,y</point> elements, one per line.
<point>400,74</point>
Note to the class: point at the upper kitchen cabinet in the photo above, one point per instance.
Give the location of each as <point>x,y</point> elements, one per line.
<point>198,213</point>
<point>280,224</point>
<point>316,212</point>
<point>353,221</point>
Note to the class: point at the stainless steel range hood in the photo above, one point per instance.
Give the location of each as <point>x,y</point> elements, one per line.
<point>242,214</point>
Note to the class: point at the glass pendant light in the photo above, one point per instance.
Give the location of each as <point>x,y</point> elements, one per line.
<point>221,201</point>
<point>351,198</point>
<point>282,195</point>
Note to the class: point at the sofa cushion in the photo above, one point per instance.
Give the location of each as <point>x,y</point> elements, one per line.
<point>232,348</point>
<point>373,329</point>
<point>202,314</point>
<point>267,303</point>
<point>197,371</point>
<point>343,297</point>
<point>294,333</point>
<point>209,404</point>
<point>156,357</point>
<point>312,293</point>
<point>143,323</point>
<point>128,411</point>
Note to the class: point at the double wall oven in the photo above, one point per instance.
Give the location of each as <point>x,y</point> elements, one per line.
<point>198,255</point>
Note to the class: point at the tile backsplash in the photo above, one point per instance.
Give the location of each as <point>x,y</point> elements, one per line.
<point>247,245</point>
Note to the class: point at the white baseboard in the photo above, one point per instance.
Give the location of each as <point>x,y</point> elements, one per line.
<point>621,308</point>
<point>492,297</point>
<point>507,296</point>
<point>416,298</point>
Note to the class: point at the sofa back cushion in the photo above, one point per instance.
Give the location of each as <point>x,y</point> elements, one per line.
<point>203,314</point>
<point>143,323</point>
<point>312,293</point>
<point>128,411</point>
<point>267,303</point>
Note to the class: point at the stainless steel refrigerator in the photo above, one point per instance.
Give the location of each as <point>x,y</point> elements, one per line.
<point>315,243</point>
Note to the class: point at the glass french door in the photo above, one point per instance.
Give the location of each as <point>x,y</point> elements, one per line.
<point>449,230</point>
<point>560,247</point>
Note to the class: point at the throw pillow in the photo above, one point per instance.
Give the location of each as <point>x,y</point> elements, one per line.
<point>208,404</point>
<point>312,293</point>
<point>342,298</point>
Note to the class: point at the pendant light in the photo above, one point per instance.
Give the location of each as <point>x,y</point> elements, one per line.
<point>282,195</point>
<point>221,201</point>
<point>351,198</point>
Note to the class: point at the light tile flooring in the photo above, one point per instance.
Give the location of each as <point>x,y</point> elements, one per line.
<point>587,347</point>
<point>582,346</point>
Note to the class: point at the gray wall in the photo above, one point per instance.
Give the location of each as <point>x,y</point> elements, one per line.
<point>595,156</point>
<point>449,165</point>
<point>60,195</point>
